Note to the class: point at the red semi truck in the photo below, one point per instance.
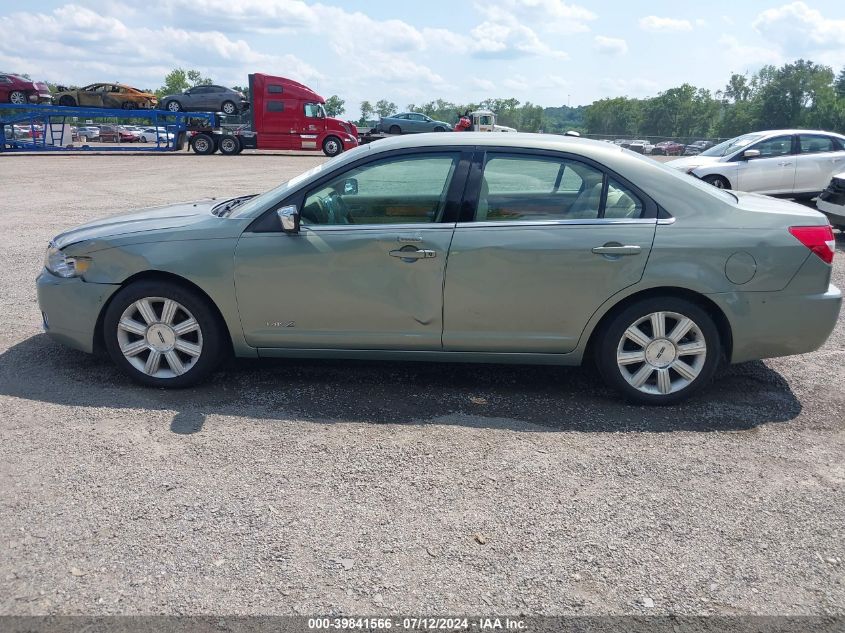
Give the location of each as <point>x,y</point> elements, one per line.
<point>285,114</point>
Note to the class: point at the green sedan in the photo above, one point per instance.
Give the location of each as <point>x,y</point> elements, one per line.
<point>472,248</point>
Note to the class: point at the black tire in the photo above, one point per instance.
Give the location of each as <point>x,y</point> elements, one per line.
<point>395,129</point>
<point>229,107</point>
<point>332,146</point>
<point>610,342</point>
<point>203,144</point>
<point>18,97</point>
<point>67,100</point>
<point>230,145</point>
<point>173,106</point>
<point>129,105</point>
<point>720,182</point>
<point>439,128</point>
<point>209,335</point>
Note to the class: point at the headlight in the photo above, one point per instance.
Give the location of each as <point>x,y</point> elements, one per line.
<point>63,266</point>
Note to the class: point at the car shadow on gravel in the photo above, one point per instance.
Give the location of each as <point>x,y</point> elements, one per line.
<point>528,398</point>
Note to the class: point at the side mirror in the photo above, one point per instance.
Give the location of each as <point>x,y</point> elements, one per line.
<point>289,218</point>
<point>350,187</point>
<point>751,153</point>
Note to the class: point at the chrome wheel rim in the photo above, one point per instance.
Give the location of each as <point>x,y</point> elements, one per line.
<point>228,108</point>
<point>173,106</point>
<point>159,337</point>
<point>331,147</point>
<point>201,145</point>
<point>661,353</point>
<point>227,145</point>
<point>17,98</point>
<point>718,183</point>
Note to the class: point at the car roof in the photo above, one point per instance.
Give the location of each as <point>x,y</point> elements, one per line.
<point>796,131</point>
<point>526,140</point>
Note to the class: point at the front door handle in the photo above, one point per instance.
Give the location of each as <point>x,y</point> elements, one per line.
<point>413,254</point>
<point>787,164</point>
<point>617,249</point>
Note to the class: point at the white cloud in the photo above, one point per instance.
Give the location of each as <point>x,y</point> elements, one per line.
<point>800,30</point>
<point>482,84</point>
<point>654,23</point>
<point>78,43</point>
<point>735,51</point>
<point>554,15</point>
<point>509,38</point>
<point>610,45</point>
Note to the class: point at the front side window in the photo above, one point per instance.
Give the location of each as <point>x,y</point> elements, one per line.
<point>815,144</point>
<point>401,190</point>
<point>313,110</point>
<point>536,188</point>
<point>773,147</point>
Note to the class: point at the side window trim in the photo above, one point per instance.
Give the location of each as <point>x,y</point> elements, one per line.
<point>470,201</point>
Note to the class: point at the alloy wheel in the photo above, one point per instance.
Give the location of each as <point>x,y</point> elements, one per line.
<point>661,353</point>
<point>159,337</point>
<point>17,97</point>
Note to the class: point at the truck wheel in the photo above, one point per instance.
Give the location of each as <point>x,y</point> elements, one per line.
<point>202,144</point>
<point>230,145</point>
<point>332,146</point>
<point>67,100</point>
<point>174,106</point>
<point>229,107</point>
<point>395,129</point>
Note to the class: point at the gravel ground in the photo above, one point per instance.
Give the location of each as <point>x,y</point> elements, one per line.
<point>351,487</point>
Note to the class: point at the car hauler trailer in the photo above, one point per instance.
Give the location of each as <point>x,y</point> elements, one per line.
<point>49,126</point>
<point>285,114</point>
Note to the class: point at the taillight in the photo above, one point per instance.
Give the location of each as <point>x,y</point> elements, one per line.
<point>818,239</point>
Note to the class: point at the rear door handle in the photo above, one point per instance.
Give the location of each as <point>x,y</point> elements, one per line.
<point>785,164</point>
<point>609,249</point>
<point>413,255</point>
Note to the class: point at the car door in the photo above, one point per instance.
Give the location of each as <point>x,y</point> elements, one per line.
<point>773,171</point>
<point>91,96</point>
<point>366,269</point>
<point>819,157</point>
<point>551,239</point>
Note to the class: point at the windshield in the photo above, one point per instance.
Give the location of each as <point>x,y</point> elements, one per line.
<point>732,145</point>
<point>276,194</point>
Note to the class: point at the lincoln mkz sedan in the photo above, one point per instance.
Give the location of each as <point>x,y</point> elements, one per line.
<point>472,248</point>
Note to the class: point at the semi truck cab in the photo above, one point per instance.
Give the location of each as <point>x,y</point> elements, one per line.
<point>286,114</point>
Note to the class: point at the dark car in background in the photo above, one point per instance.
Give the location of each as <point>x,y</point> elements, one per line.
<point>411,123</point>
<point>694,149</point>
<point>20,90</point>
<point>206,99</point>
<point>668,148</point>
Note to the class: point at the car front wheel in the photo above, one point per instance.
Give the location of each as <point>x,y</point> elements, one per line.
<point>659,351</point>
<point>162,334</point>
<point>720,182</point>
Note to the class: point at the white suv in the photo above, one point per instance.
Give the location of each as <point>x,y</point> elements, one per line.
<point>796,163</point>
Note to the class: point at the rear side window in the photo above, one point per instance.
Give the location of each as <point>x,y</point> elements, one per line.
<point>815,144</point>
<point>275,106</point>
<point>534,188</point>
<point>5,80</point>
<point>621,202</point>
<point>274,89</point>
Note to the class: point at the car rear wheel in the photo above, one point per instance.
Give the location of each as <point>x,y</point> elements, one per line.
<point>440,128</point>
<point>659,351</point>
<point>332,146</point>
<point>230,145</point>
<point>162,334</point>
<point>129,105</point>
<point>174,106</point>
<point>395,129</point>
<point>229,107</point>
<point>203,144</point>
<point>720,182</point>
<point>17,97</point>
<point>67,100</point>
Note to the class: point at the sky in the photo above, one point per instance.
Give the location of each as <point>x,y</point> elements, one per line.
<point>548,52</point>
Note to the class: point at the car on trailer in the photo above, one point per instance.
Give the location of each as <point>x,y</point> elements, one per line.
<point>206,98</point>
<point>20,90</point>
<point>106,96</point>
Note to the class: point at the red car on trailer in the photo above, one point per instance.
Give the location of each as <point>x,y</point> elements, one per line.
<point>20,91</point>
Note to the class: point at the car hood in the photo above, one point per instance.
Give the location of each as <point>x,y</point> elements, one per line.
<point>183,215</point>
<point>693,161</point>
